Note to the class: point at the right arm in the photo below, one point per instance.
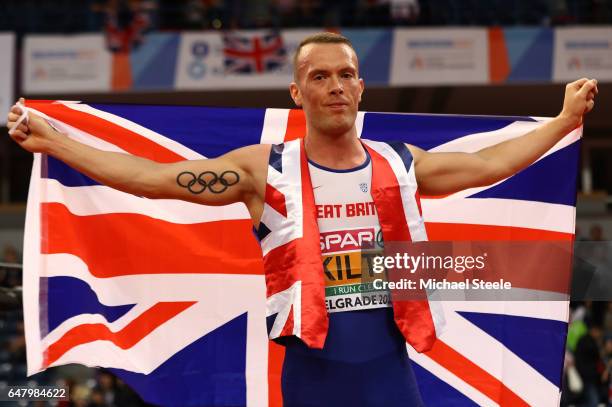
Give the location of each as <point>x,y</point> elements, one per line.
<point>238,176</point>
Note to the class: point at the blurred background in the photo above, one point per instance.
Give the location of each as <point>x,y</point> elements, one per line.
<point>494,57</point>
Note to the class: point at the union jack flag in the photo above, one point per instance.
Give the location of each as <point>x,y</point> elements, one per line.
<point>253,53</point>
<point>170,295</point>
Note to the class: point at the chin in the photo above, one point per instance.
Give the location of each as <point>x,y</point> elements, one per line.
<point>339,125</point>
<point>337,129</point>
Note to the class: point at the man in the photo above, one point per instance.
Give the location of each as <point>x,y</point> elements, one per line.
<point>363,360</point>
<point>589,363</point>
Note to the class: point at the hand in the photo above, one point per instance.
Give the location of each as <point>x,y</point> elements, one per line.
<point>34,134</point>
<point>579,100</point>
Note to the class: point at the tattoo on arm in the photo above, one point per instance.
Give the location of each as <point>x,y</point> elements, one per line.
<point>207,180</point>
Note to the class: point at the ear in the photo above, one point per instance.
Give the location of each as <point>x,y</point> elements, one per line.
<point>362,86</point>
<point>296,95</point>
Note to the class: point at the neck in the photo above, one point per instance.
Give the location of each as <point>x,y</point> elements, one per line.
<point>338,151</point>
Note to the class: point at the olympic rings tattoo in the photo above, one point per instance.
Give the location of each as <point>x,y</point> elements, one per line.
<point>207,180</point>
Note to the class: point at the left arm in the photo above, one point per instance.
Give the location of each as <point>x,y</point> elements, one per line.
<point>445,173</point>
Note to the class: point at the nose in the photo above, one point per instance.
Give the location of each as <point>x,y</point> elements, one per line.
<point>336,87</point>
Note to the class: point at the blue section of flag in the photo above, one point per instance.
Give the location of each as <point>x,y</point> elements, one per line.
<point>208,372</point>
<point>211,370</point>
<point>544,353</point>
<point>64,292</point>
<point>210,131</point>
<point>262,231</point>
<point>276,158</point>
<point>435,392</point>
<point>428,131</point>
<point>401,150</point>
<point>66,175</point>
<point>552,179</point>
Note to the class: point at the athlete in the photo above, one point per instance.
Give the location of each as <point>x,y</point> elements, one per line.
<point>364,360</point>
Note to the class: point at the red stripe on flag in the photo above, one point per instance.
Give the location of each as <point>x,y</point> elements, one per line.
<point>296,125</point>
<point>125,243</point>
<point>461,231</point>
<point>473,375</point>
<point>288,328</point>
<point>108,131</point>
<point>527,258</point>
<point>34,102</point>
<point>276,355</point>
<point>278,260</point>
<point>313,325</point>
<point>388,200</point>
<point>276,200</point>
<point>413,318</point>
<point>417,198</point>
<point>127,337</point>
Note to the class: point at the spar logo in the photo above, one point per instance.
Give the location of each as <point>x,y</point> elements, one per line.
<point>348,240</point>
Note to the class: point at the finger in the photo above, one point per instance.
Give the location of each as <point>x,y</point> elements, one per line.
<point>16,109</point>
<point>586,88</point>
<point>578,84</point>
<point>18,135</point>
<point>589,106</point>
<point>12,117</point>
<point>22,127</point>
<point>591,95</point>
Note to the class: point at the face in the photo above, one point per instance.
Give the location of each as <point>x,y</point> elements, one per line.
<point>328,87</point>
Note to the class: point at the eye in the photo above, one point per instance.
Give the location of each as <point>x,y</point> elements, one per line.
<point>347,75</point>
<point>318,77</point>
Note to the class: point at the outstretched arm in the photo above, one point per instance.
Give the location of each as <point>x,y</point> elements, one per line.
<point>445,173</point>
<point>233,177</point>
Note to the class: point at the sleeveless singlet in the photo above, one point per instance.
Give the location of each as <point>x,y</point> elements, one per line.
<point>364,361</point>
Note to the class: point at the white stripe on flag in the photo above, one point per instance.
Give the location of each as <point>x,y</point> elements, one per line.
<point>478,141</point>
<point>101,200</point>
<point>408,188</point>
<point>555,310</point>
<point>507,367</point>
<point>359,123</point>
<point>281,304</point>
<point>141,288</point>
<point>446,376</point>
<point>500,212</point>
<point>203,288</point>
<point>81,136</point>
<point>160,139</point>
<point>32,266</point>
<point>274,126</point>
<point>80,319</point>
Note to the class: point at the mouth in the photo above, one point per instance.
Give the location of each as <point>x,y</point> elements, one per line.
<point>337,106</point>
